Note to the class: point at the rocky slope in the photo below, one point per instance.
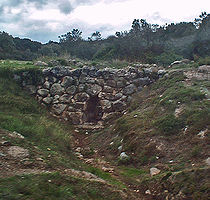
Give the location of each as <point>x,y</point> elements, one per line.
<point>157,149</point>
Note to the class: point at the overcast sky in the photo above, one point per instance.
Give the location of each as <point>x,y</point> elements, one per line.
<point>44,20</point>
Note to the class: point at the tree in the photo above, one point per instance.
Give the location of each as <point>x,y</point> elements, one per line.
<point>96,36</point>
<point>74,36</point>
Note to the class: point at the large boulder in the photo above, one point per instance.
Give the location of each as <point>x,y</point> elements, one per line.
<point>81,97</point>
<point>93,89</point>
<point>43,92</point>
<point>47,100</point>
<point>71,90</point>
<point>67,81</point>
<point>58,108</point>
<point>56,89</point>
<point>130,89</point>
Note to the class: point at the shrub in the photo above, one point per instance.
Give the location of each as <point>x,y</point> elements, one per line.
<point>169,124</point>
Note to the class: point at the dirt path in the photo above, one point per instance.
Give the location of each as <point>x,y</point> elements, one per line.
<point>82,143</point>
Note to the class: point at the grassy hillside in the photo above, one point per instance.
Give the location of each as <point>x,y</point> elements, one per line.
<point>167,127</point>
<point>41,175</point>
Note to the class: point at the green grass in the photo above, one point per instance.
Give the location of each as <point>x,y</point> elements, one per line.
<point>14,64</point>
<point>132,172</point>
<point>53,186</point>
<point>105,176</point>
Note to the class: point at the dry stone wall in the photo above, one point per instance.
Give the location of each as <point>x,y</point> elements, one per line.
<point>88,94</point>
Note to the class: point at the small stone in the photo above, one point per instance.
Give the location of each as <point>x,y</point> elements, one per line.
<point>124,156</point>
<point>108,169</point>
<point>154,171</point>
<point>89,161</point>
<point>39,159</point>
<point>40,63</point>
<point>148,192</point>
<point>202,134</point>
<point>78,149</point>
<point>120,148</point>
<point>208,161</point>
<point>5,143</point>
<point>2,155</point>
<point>16,135</point>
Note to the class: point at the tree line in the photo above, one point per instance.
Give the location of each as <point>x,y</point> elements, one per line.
<point>145,42</point>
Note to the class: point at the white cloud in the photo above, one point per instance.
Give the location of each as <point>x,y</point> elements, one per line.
<point>30,18</point>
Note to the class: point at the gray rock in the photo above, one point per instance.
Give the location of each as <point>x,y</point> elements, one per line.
<point>65,98</point>
<point>56,89</point>
<point>72,109</point>
<point>208,161</point>
<point>79,105</point>
<point>120,148</point>
<point>204,69</point>
<point>76,72</point>
<point>121,82</point>
<point>47,100</point>
<point>108,89</point>
<point>46,85</point>
<point>18,152</point>
<point>2,155</point>
<point>111,83</point>
<point>75,117</point>
<point>61,71</point>
<point>106,105</point>
<point>71,90</point>
<point>141,81</point>
<point>67,81</point>
<point>119,106</point>
<point>100,82</point>
<point>58,108</point>
<point>154,171</point>
<point>81,97</point>
<point>16,135</point>
<point>81,87</point>
<point>93,90</point>
<point>123,156</point>
<point>130,89</point>
<point>161,72</point>
<point>43,92</point>
<point>40,63</point>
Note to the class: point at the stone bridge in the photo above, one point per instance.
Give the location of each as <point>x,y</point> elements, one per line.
<point>89,94</point>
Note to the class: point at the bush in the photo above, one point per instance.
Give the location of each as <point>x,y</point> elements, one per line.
<point>169,124</point>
